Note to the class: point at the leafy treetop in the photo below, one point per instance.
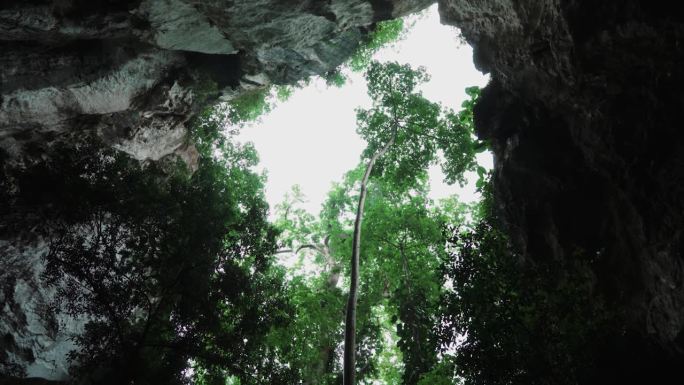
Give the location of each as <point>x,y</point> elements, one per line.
<point>420,128</point>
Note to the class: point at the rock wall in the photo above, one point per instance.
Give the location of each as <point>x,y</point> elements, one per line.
<point>134,73</point>
<point>584,114</point>
<point>35,341</point>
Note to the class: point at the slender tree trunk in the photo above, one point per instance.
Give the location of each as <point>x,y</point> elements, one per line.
<point>349,370</point>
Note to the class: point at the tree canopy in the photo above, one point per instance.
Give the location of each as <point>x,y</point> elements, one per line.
<point>179,277</point>
<point>167,267</point>
<point>399,287</point>
<point>174,270</point>
<point>421,128</point>
<point>403,130</point>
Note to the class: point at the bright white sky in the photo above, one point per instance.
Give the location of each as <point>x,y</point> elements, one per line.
<point>311,138</point>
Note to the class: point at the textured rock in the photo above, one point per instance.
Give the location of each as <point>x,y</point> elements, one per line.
<point>178,25</point>
<point>584,113</point>
<point>35,342</point>
<point>130,70</point>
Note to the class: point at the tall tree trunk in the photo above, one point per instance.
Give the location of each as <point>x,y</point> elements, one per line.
<point>349,366</point>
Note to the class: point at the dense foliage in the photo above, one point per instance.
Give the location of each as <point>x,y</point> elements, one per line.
<point>512,321</point>
<point>164,266</point>
<point>402,129</point>
<point>399,289</point>
<point>421,128</point>
<point>452,301</point>
<point>402,249</point>
<point>384,33</point>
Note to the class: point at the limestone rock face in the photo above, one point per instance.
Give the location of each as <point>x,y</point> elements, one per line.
<point>35,341</point>
<point>134,73</point>
<point>132,70</point>
<point>584,113</point>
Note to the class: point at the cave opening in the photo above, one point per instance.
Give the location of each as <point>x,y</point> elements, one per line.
<point>309,138</point>
<point>251,192</point>
<point>309,151</point>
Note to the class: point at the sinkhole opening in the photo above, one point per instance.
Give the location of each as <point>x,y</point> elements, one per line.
<point>315,140</point>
